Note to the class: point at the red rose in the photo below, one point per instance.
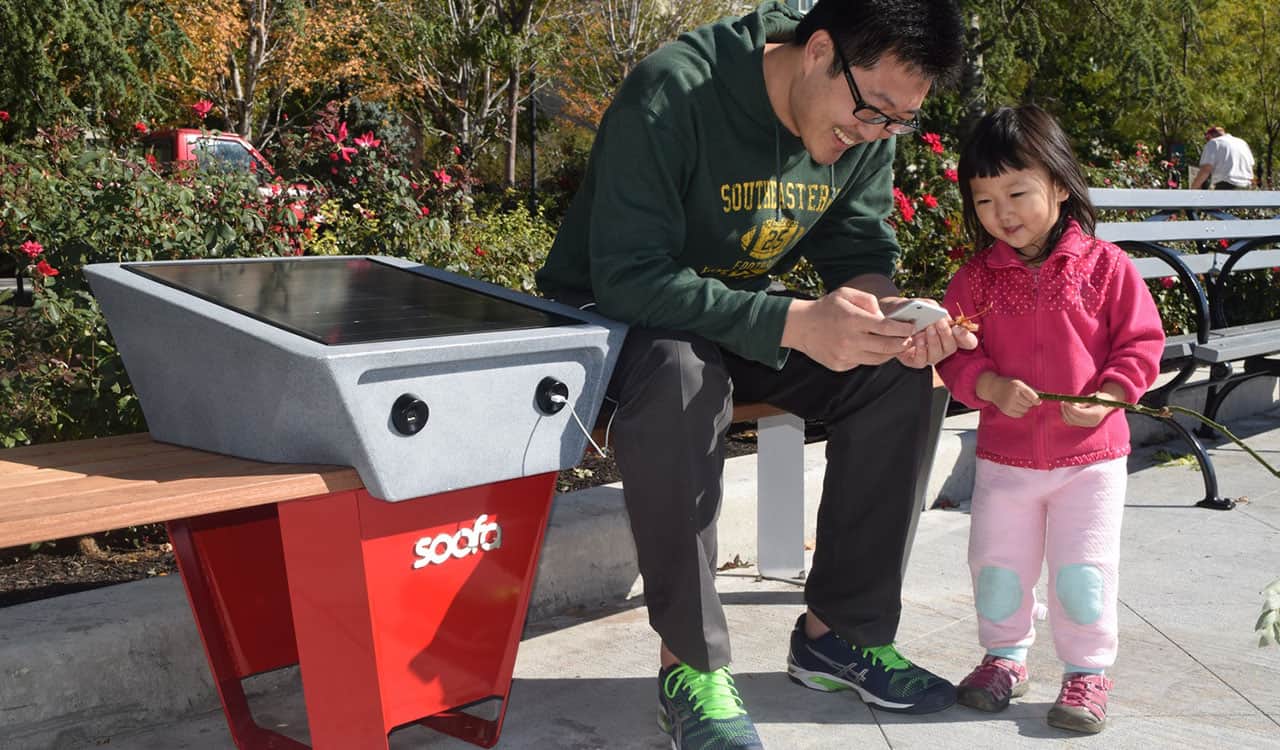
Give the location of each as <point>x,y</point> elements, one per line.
<point>45,269</point>
<point>32,248</point>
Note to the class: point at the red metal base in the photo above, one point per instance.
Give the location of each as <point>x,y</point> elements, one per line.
<point>398,613</point>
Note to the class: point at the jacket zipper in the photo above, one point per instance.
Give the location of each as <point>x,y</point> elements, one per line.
<point>1038,427</point>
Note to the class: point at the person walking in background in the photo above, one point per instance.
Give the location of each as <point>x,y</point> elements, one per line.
<point>1226,162</point>
<point>726,157</point>
<point>1062,312</point>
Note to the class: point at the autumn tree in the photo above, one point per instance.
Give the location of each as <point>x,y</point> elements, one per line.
<point>604,40</point>
<point>252,57</point>
<point>520,20</point>
<point>458,67</point>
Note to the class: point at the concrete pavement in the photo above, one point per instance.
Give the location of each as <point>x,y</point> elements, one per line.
<point>1189,672</point>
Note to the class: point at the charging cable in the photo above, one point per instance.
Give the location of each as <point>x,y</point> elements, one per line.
<point>556,398</point>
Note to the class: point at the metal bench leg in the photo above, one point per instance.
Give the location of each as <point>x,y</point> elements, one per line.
<point>1211,499</point>
<point>1215,395</point>
<point>780,499</point>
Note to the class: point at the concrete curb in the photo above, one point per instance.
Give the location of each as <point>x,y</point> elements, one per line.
<point>89,665</point>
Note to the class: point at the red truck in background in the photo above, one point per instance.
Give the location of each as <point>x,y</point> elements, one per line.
<point>209,150</point>
<point>216,151</point>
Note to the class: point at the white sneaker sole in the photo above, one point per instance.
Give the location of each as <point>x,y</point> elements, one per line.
<point>827,683</point>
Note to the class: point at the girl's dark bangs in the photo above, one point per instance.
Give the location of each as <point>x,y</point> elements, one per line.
<point>995,155</point>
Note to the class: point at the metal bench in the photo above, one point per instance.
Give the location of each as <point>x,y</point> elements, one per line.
<point>1216,342</point>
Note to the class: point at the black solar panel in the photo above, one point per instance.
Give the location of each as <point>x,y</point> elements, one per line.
<point>346,300</point>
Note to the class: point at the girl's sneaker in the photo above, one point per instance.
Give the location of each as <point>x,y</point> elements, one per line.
<point>1082,703</point>
<point>992,683</point>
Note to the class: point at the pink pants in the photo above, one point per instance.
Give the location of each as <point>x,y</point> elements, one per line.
<point>1069,516</point>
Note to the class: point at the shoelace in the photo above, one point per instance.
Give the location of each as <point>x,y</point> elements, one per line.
<point>713,694</point>
<point>888,656</point>
<point>1085,690</point>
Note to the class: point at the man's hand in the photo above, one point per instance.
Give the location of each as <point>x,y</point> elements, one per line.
<point>1089,415</point>
<point>935,343</point>
<point>1011,396</point>
<point>844,329</point>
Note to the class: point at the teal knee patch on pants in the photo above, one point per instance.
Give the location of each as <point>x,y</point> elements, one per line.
<point>999,593</point>
<point>1079,589</point>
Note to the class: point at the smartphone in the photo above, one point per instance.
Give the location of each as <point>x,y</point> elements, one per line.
<point>920,313</point>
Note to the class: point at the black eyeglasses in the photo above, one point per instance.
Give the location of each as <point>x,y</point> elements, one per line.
<point>869,113</point>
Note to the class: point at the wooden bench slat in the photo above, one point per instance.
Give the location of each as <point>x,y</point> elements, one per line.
<point>135,490</point>
<point>93,512</point>
<point>175,468</point>
<point>51,455</point>
<point>25,475</point>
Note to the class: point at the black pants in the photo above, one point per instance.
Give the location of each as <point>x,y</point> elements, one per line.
<point>1224,185</point>
<point>675,395</point>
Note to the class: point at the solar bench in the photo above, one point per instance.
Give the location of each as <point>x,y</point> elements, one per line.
<point>1251,244</point>
<point>399,585</point>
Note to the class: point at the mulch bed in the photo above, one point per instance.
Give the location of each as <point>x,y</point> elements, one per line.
<point>70,565</point>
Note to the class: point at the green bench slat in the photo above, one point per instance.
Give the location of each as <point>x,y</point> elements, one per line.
<point>1240,342</point>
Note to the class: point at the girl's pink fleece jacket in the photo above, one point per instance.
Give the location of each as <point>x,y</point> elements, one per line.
<point>1083,318</point>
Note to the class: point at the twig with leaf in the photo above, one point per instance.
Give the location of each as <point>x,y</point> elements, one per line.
<point>1268,626</point>
<point>1164,412</point>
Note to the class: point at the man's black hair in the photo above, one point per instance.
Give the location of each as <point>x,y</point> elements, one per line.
<point>926,35</point>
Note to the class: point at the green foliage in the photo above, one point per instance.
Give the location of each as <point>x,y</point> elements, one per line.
<point>91,60</point>
<point>503,247</point>
<point>374,205</point>
<point>1165,458</point>
<point>927,217</point>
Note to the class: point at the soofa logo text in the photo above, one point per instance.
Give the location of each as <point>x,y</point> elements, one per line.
<point>482,536</point>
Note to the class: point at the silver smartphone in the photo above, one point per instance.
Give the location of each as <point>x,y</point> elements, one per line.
<point>919,313</point>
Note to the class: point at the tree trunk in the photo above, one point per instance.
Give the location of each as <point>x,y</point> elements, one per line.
<point>972,79</point>
<point>513,120</point>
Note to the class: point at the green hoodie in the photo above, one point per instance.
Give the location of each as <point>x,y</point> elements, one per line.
<point>695,194</point>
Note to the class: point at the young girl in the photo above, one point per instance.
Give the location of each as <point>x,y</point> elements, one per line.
<point>1062,312</point>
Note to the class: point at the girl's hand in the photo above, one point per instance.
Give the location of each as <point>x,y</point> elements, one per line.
<point>935,343</point>
<point>1087,415</point>
<point>1011,396</point>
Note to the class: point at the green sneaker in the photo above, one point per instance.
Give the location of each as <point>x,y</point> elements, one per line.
<point>702,711</point>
